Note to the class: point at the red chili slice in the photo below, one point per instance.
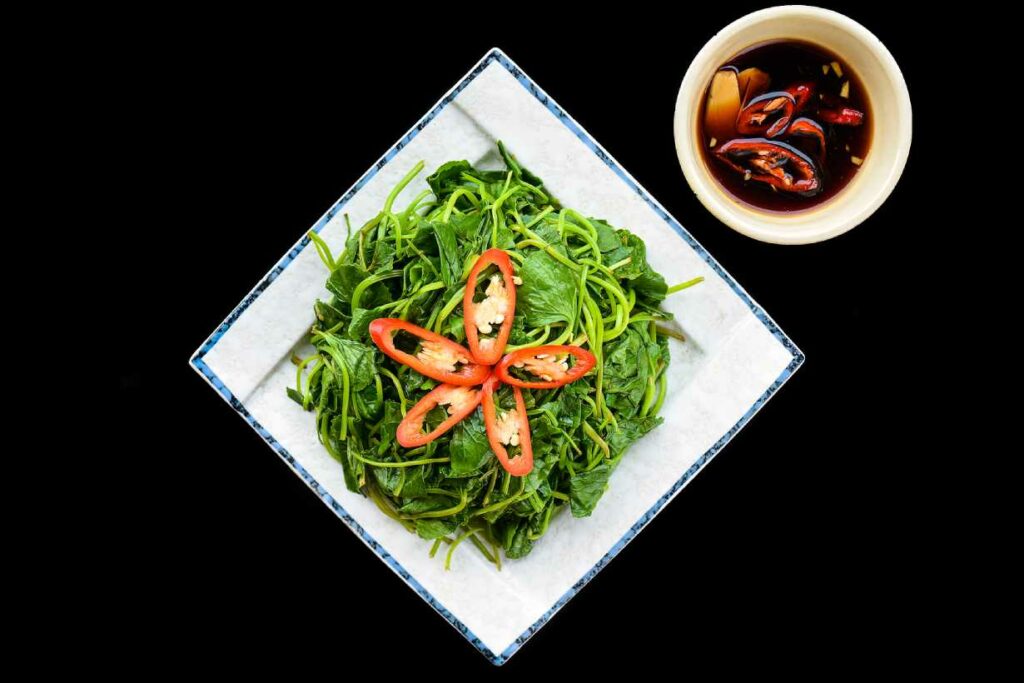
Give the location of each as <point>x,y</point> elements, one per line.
<point>774,163</point>
<point>461,401</point>
<point>767,114</point>
<point>843,116</point>
<point>437,358</point>
<point>520,465</point>
<point>529,359</point>
<point>497,308</point>
<point>804,127</point>
<point>801,93</point>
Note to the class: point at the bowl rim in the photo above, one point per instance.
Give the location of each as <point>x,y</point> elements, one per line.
<point>771,227</point>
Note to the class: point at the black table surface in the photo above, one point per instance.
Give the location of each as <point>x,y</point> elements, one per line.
<point>797,549</point>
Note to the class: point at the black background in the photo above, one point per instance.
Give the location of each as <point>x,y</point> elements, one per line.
<point>804,547</point>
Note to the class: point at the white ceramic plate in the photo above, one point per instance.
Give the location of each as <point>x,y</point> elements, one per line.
<point>735,358</point>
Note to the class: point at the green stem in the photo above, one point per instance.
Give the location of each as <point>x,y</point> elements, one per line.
<point>484,550</point>
<point>450,205</point>
<point>490,486</point>
<point>384,505</point>
<point>586,238</point>
<point>683,285</point>
<point>644,317</point>
<point>424,258</point>
<point>541,244</point>
<point>596,438</point>
<point>407,463</point>
<point>536,342</point>
<point>480,185</point>
<point>501,505</point>
<point>451,549</point>
<point>496,211</point>
<point>443,492</point>
<point>448,308</point>
<point>585,223</point>
<point>544,523</point>
<point>436,514</point>
<point>307,398</point>
<point>391,200</point>
<point>662,392</point>
<point>415,204</point>
<point>668,332</point>
<point>323,250</point>
<point>344,402</point>
<point>357,293</point>
<point>604,269</point>
<point>649,396</point>
<point>398,387</point>
<point>562,338</point>
<point>539,217</point>
<point>298,372</point>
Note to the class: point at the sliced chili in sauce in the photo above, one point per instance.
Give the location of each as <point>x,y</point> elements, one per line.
<point>767,114</point>
<point>774,163</point>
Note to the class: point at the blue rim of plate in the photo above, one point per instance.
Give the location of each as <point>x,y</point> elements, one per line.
<point>496,55</point>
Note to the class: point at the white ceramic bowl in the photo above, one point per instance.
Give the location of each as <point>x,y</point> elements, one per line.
<point>890,120</point>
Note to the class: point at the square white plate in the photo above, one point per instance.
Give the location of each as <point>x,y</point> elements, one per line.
<point>734,360</point>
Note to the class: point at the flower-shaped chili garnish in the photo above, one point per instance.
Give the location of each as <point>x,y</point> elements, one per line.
<point>471,376</point>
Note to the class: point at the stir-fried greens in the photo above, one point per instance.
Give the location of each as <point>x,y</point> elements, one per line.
<point>577,281</point>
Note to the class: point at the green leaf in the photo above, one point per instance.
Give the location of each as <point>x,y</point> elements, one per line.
<point>517,170</point>
<point>625,372</point>
<point>586,488</point>
<point>448,177</point>
<point>451,264</point>
<point>632,247</point>
<point>469,448</point>
<point>515,536</point>
<point>351,467</point>
<point>466,226</point>
<point>607,239</point>
<point>549,290</point>
<point>570,406</point>
<point>537,479</point>
<point>457,328</point>
<point>388,478</point>
<point>355,356</point>
<point>327,314</point>
<point>426,504</point>
<point>651,285</point>
<point>520,544</point>
<point>518,333</point>
<point>359,327</point>
<point>434,528</point>
<point>344,279</point>
<point>630,429</point>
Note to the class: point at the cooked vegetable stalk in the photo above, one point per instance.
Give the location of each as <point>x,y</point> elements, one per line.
<point>585,299</point>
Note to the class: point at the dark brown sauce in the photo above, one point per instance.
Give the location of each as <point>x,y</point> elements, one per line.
<point>797,185</point>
